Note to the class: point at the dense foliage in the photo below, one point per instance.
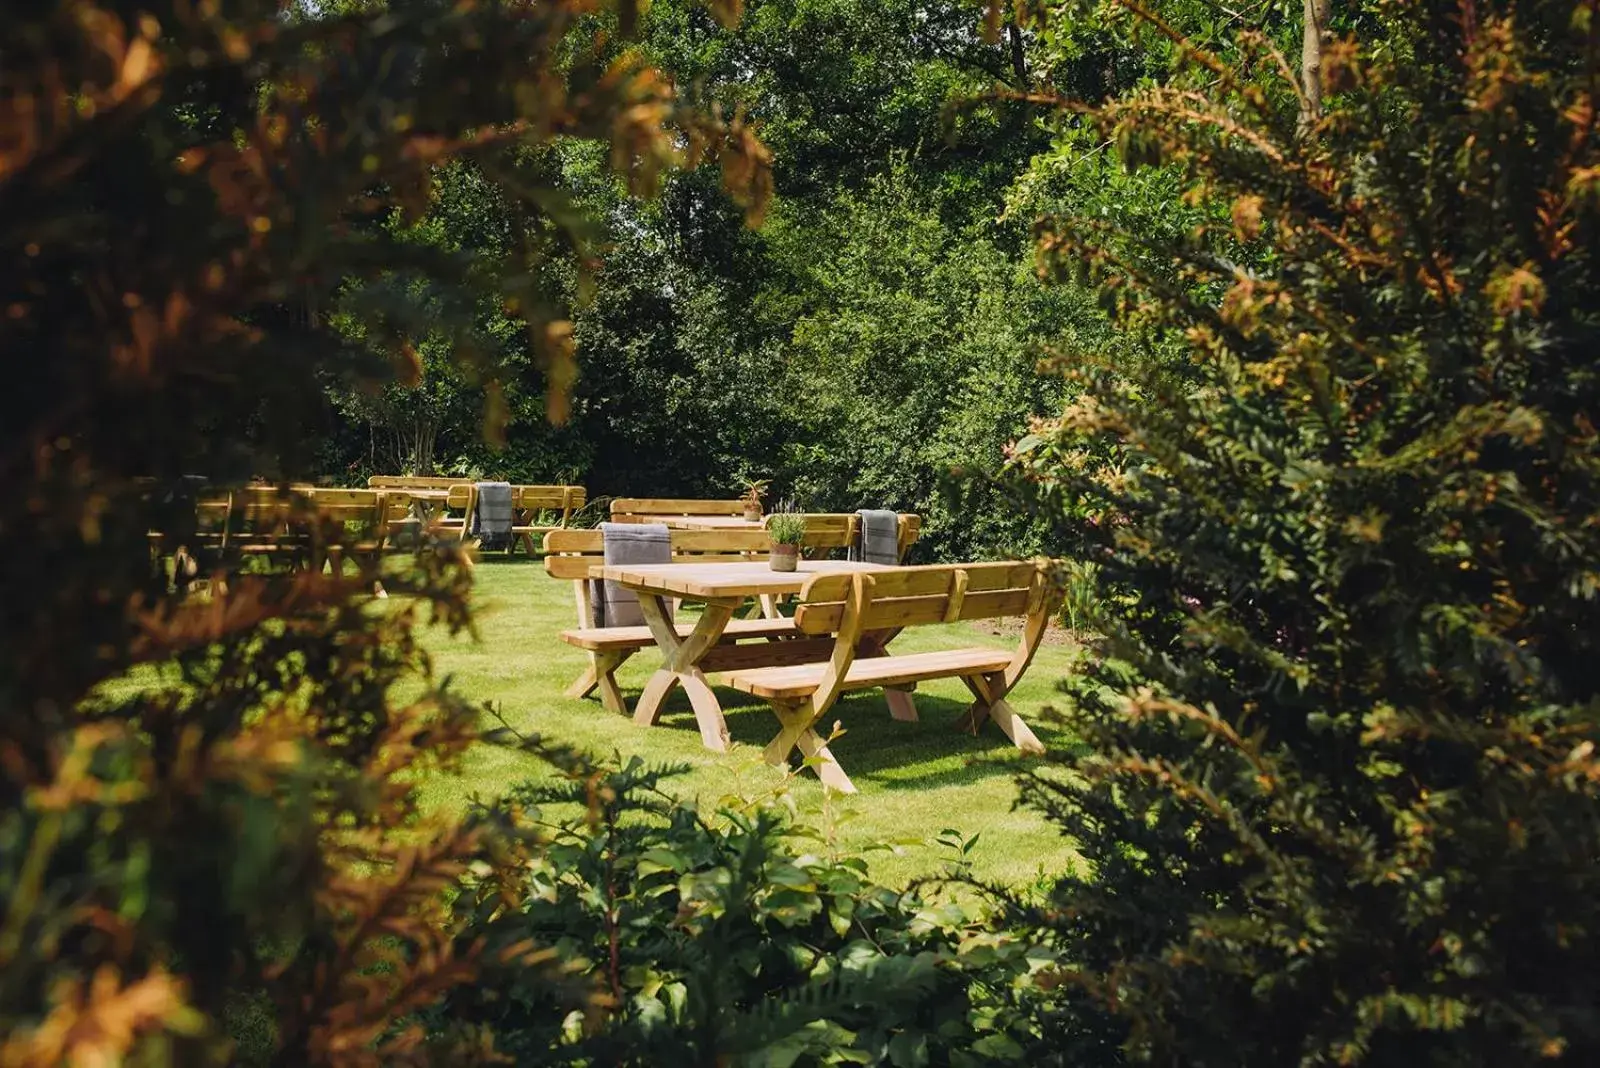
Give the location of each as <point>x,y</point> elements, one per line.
<point>207,809</point>
<point>881,331</point>
<point>1341,804</point>
<point>728,937</point>
<point>1325,446</point>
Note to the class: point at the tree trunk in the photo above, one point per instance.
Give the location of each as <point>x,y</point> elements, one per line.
<point>1311,49</point>
<point>1019,62</point>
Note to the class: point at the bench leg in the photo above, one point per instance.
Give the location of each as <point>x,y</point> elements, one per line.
<point>901,706</point>
<point>707,710</point>
<point>796,733</point>
<point>991,704</point>
<point>610,693</point>
<point>599,675</point>
<point>793,722</point>
<point>585,683</point>
<point>828,769</point>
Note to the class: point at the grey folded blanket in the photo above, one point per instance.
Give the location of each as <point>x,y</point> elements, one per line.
<point>491,519</point>
<point>879,540</point>
<point>627,543</point>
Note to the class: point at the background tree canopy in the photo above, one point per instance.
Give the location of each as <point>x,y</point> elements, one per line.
<point>881,331</point>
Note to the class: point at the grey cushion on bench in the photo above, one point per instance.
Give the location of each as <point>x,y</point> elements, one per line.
<point>879,542</point>
<point>627,543</point>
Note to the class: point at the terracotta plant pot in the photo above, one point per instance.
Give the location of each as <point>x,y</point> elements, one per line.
<point>785,557</point>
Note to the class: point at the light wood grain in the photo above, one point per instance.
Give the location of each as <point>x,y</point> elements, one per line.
<point>725,582</point>
<point>598,638</point>
<point>636,509</point>
<point>802,680</point>
<point>709,522</point>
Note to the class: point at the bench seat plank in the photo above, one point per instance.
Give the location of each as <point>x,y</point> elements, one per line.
<point>610,639</point>
<point>801,680</point>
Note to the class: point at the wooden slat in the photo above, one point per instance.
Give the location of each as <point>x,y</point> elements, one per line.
<point>886,613</point>
<point>562,548</point>
<point>766,654</point>
<point>413,481</point>
<point>800,681</point>
<point>574,541</point>
<point>599,639</point>
<point>828,530</point>
<point>721,541</point>
<point>1000,575</point>
<point>637,507</point>
<point>714,582</point>
<point>570,567</point>
<point>548,498</point>
<point>995,604</point>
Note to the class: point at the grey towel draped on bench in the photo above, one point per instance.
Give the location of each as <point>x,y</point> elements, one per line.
<point>879,540</point>
<point>491,518</point>
<point>627,543</point>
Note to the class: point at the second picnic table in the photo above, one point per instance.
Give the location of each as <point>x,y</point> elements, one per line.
<point>722,588</point>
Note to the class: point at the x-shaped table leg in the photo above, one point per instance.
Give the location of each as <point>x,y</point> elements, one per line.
<point>991,704</point>
<point>679,667</point>
<point>797,733</point>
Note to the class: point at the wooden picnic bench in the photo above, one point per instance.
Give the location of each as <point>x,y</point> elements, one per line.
<point>887,600</point>
<point>540,509</point>
<point>535,510</point>
<point>576,554</point>
<point>670,510</point>
<point>720,588</point>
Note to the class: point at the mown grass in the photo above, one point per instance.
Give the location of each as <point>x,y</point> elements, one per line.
<point>915,779</point>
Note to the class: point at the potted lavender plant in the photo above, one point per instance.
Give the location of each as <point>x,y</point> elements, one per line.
<point>787,529</point>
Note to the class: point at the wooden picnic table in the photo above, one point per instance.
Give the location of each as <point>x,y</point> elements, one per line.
<point>722,588</point>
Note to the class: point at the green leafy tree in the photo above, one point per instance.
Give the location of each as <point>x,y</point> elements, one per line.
<point>209,824</point>
<point>1340,800</point>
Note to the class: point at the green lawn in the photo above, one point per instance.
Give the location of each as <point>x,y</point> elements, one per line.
<point>915,779</point>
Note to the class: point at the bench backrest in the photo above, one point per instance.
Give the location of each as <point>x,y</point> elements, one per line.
<point>413,481</point>
<point>570,554</point>
<point>912,596</point>
<point>851,604</point>
<point>533,500</point>
<point>647,509</point>
<point>839,530</point>
<point>347,503</point>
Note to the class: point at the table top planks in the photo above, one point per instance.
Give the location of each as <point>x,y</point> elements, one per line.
<point>723,581</point>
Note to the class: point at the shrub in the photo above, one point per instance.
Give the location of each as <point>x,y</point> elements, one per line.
<point>730,937</point>
<point>1341,799</point>
<point>208,808</point>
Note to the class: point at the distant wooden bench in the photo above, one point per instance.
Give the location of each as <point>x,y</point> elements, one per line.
<point>346,523</point>
<point>574,554</point>
<point>537,510</point>
<point>887,600</point>
<point>666,509</point>
<point>307,526</point>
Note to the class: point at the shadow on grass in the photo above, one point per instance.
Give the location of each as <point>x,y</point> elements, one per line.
<point>935,751</point>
